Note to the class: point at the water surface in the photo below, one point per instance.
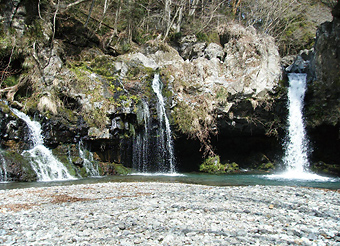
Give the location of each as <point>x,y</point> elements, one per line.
<point>245,179</point>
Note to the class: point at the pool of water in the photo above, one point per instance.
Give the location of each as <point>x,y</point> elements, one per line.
<point>243,179</point>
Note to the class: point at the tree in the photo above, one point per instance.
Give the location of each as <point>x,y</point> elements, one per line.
<point>272,17</point>
<point>235,5</point>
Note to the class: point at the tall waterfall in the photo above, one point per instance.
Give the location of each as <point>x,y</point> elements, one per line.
<point>153,147</point>
<point>296,145</point>
<point>296,159</point>
<point>46,166</point>
<point>166,157</point>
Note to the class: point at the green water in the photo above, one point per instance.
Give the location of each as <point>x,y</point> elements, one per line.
<point>190,178</point>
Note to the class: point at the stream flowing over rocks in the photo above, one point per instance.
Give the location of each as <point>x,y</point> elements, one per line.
<point>169,214</point>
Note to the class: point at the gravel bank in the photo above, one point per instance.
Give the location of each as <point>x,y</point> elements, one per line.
<point>169,214</point>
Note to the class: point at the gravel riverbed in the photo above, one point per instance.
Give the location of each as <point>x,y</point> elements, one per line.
<point>169,214</point>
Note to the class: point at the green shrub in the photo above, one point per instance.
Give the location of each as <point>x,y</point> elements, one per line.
<point>10,81</point>
<point>212,165</point>
<point>231,167</point>
<point>267,166</point>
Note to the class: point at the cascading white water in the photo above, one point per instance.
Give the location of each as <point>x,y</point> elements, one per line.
<point>165,136</point>
<point>3,169</point>
<point>91,169</point>
<point>141,143</point>
<point>46,166</point>
<point>296,145</point>
<point>296,159</point>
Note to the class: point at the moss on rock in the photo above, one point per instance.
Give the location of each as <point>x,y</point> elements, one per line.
<point>18,167</point>
<point>113,169</point>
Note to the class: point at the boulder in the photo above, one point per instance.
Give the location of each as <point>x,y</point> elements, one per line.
<point>301,64</point>
<point>252,60</point>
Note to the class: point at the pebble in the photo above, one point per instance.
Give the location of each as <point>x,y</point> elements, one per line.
<point>169,214</point>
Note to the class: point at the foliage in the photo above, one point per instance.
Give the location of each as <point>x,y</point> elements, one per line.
<point>10,81</point>
<point>213,165</point>
<point>267,166</point>
<point>195,121</point>
<point>292,23</point>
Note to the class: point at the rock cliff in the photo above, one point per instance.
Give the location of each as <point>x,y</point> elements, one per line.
<point>323,97</point>
<point>223,98</point>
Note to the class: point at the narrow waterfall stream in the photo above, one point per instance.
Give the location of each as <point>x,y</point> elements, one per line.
<point>141,143</point>
<point>153,146</point>
<point>91,168</point>
<point>165,136</point>
<point>3,168</point>
<point>46,166</point>
<point>296,145</point>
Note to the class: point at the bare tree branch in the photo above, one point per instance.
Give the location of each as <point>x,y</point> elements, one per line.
<point>90,11</point>
<point>5,71</point>
<point>74,3</point>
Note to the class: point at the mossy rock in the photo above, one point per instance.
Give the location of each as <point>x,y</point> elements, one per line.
<point>120,169</point>
<point>83,173</point>
<point>61,154</point>
<point>18,167</point>
<point>113,169</point>
<point>325,168</point>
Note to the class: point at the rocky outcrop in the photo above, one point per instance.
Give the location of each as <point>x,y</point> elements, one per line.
<point>323,95</point>
<point>228,88</point>
<point>324,101</point>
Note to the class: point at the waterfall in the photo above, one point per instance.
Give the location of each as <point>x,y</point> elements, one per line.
<point>296,144</point>
<point>296,159</point>
<point>165,145</point>
<point>141,158</point>
<point>3,169</point>
<point>45,165</point>
<point>87,157</point>
<point>153,147</point>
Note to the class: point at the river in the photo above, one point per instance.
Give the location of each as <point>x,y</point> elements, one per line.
<point>244,179</point>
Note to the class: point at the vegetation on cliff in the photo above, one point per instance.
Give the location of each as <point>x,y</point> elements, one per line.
<point>90,63</point>
<point>30,30</point>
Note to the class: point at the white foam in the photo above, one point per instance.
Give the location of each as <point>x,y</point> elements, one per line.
<point>300,176</point>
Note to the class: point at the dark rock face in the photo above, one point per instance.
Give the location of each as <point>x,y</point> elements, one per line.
<point>323,95</point>
<point>324,91</point>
